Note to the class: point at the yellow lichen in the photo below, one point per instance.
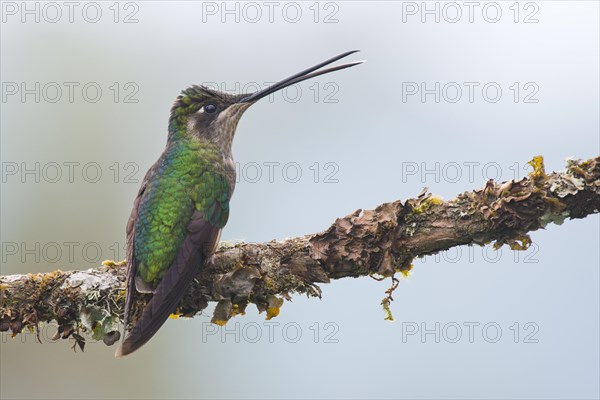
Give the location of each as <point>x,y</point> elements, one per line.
<point>524,245</point>
<point>274,306</point>
<point>427,203</point>
<point>112,263</point>
<point>387,300</point>
<point>50,277</point>
<point>405,270</point>
<point>237,310</point>
<point>120,295</point>
<point>220,322</point>
<point>272,312</point>
<point>513,243</point>
<point>386,309</point>
<point>538,167</point>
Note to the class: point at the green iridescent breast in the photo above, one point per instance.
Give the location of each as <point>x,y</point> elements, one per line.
<point>189,176</point>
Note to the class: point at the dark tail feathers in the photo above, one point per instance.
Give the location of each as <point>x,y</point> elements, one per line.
<point>165,299</point>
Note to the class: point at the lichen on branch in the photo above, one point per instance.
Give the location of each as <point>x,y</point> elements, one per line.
<point>376,243</point>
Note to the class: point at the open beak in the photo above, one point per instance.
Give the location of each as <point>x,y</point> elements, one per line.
<point>301,76</point>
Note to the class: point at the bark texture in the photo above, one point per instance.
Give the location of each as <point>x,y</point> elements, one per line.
<point>377,242</point>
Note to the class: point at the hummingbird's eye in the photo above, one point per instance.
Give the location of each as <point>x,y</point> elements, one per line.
<point>210,108</point>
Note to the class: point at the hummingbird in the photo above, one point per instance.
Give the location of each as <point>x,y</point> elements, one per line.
<point>183,202</point>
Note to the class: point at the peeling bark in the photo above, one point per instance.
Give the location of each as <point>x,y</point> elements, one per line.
<point>377,242</point>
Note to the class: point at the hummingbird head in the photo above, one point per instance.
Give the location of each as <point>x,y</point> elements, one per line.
<point>207,114</point>
<point>211,115</point>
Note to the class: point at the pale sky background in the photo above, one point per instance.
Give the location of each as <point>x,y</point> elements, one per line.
<point>371,137</point>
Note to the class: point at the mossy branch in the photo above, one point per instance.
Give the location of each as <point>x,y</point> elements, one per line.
<point>377,242</point>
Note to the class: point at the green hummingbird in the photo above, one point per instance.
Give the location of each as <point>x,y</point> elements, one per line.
<point>183,202</point>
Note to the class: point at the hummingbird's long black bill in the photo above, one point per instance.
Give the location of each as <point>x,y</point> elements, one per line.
<point>301,76</point>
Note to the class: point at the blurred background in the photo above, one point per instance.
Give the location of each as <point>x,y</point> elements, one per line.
<point>451,94</point>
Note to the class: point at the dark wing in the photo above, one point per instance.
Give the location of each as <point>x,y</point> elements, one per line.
<point>200,242</point>
<point>131,264</point>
